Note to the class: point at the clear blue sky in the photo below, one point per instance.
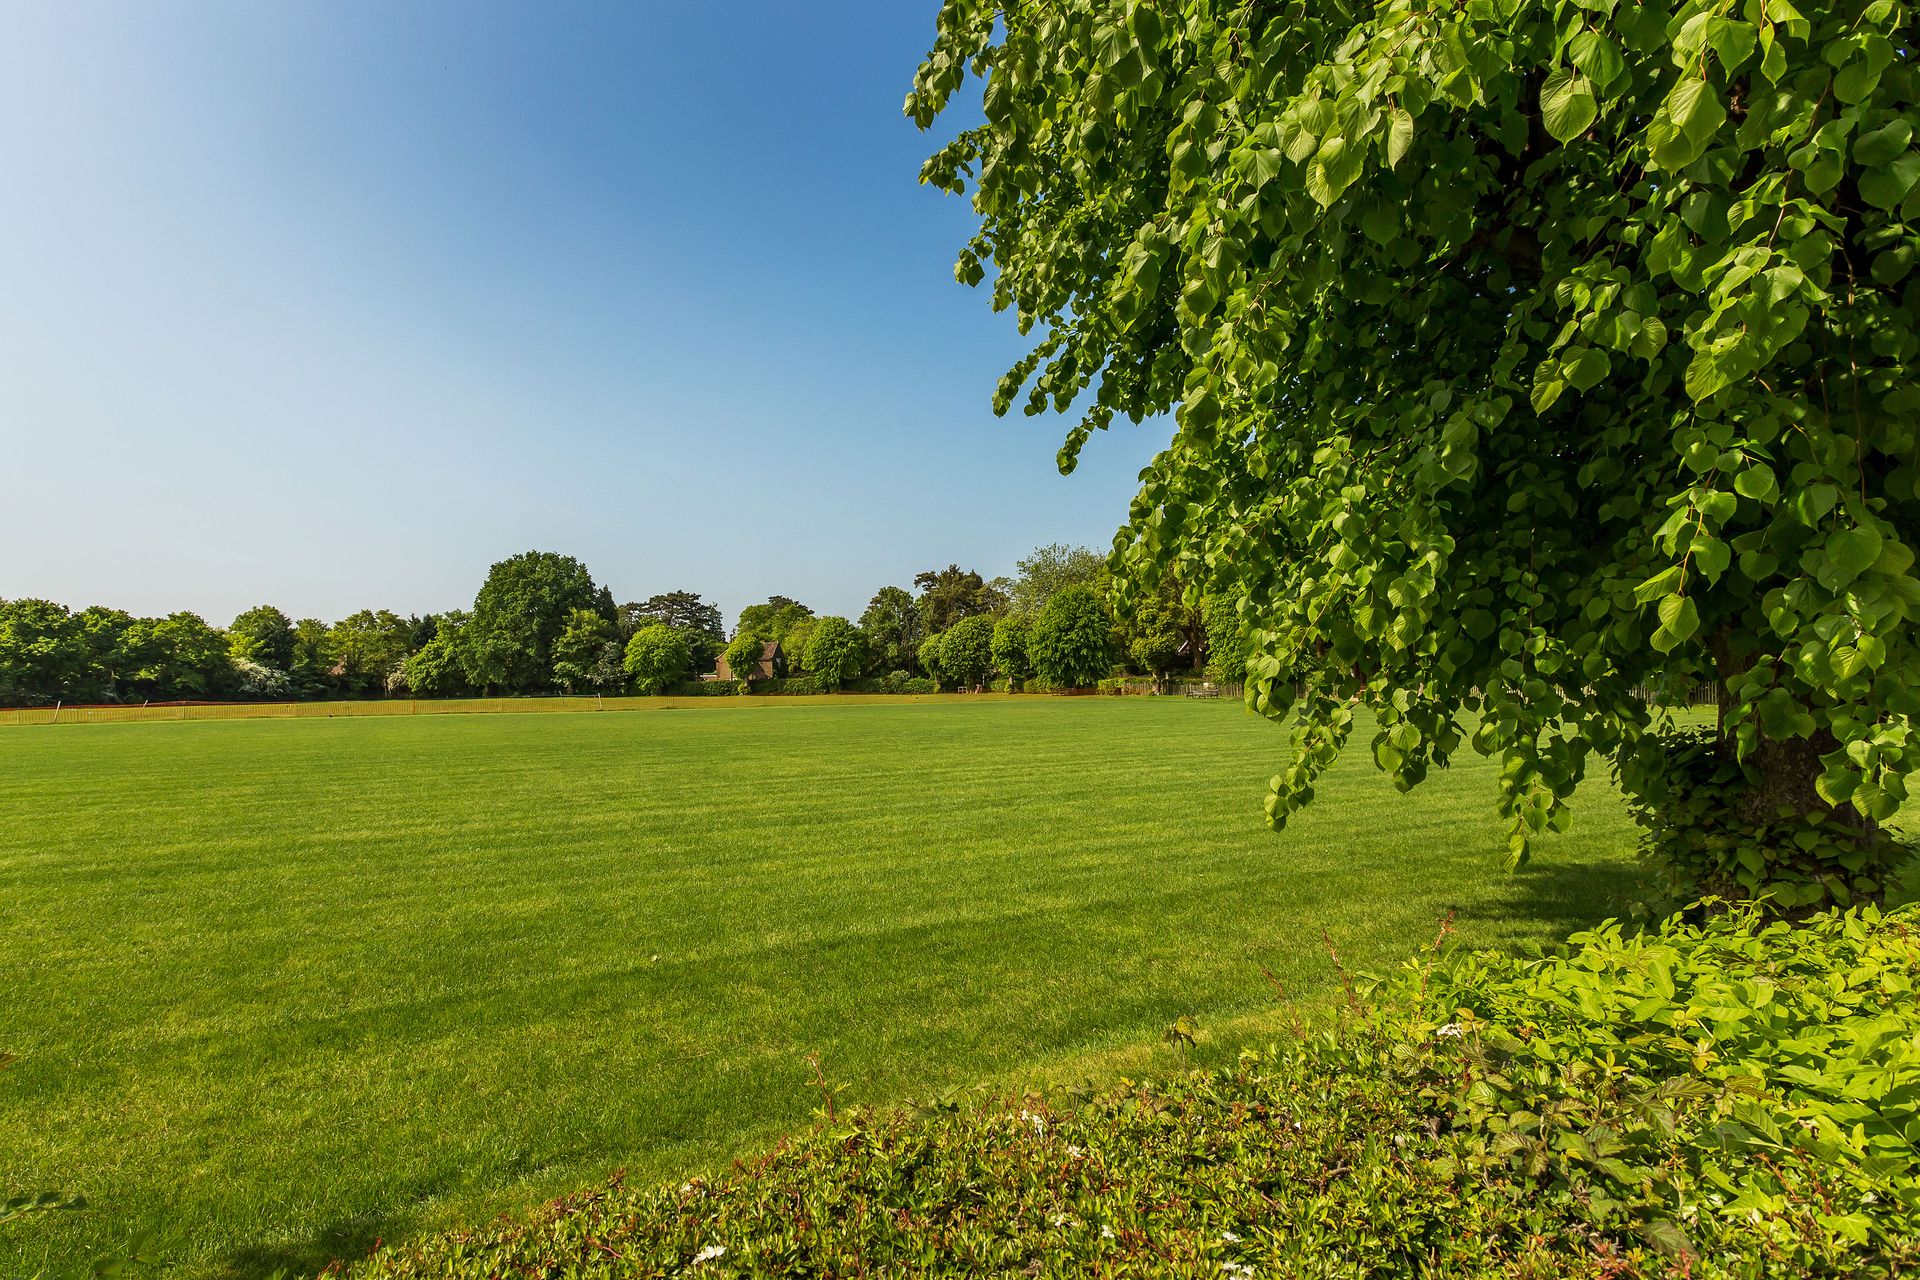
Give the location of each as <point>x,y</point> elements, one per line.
<point>333,304</point>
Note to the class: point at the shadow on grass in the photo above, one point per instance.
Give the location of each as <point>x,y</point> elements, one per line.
<point>347,1240</point>
<point>1564,896</point>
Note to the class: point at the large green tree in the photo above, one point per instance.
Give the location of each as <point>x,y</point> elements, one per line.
<point>1523,356</point>
<point>581,652</point>
<point>772,619</point>
<point>950,594</point>
<point>366,648</point>
<point>521,610</point>
<point>175,657</point>
<point>894,628</point>
<point>262,634</point>
<point>695,618</point>
<point>44,656</point>
<point>836,651</point>
<point>1054,567</point>
<point>1071,645</point>
<point>657,655</point>
<point>966,651</point>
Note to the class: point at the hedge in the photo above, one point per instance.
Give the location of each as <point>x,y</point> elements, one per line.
<point>1727,1099</point>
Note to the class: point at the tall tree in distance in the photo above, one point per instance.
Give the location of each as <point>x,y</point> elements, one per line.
<point>580,652</point>
<point>894,629</point>
<point>262,634</point>
<point>686,612</point>
<point>1054,567</point>
<point>836,652</point>
<point>657,655</point>
<point>1071,644</point>
<point>521,610</point>
<point>366,647</point>
<point>772,620</point>
<point>1524,357</point>
<point>950,594</point>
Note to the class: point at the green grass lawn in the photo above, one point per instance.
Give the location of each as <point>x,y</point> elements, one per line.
<point>284,988</point>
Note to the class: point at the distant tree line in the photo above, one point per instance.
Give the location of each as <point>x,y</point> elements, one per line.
<point>541,624</point>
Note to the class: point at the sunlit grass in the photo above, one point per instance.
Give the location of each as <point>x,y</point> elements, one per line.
<point>285,988</point>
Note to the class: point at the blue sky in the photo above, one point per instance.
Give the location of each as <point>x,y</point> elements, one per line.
<point>332,305</point>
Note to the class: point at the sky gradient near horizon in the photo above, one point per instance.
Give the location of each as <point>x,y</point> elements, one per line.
<point>332,305</point>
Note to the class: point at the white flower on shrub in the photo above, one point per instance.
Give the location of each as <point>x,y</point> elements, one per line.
<point>1452,1029</point>
<point>1230,1237</point>
<point>1039,1125</point>
<point>709,1253</point>
<point>1236,1270</point>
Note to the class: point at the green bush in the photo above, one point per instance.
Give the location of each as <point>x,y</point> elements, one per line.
<point>1701,837</point>
<point>1743,1091</point>
<point>1730,1099</point>
<point>791,685</point>
<point>704,689</point>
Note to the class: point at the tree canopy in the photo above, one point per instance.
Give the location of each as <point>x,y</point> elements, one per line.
<point>966,651</point>
<point>657,655</point>
<point>773,619</point>
<point>836,652</point>
<point>950,594</point>
<point>1523,356</point>
<point>1053,567</point>
<point>521,610</point>
<point>894,628</point>
<point>1071,644</point>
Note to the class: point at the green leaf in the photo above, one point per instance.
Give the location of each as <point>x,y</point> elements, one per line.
<point>1679,620</point>
<point>1658,585</point>
<point>1852,551</point>
<point>1567,107</point>
<point>1880,147</point>
<point>1887,186</point>
<point>1586,370</point>
<point>1757,482</point>
<point>1399,135</point>
<point>1598,57</point>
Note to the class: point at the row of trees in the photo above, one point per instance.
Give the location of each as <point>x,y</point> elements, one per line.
<point>1053,620</point>
<point>540,623</point>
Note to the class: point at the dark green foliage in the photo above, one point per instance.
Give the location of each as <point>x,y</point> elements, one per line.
<point>178,656</point>
<point>704,689</point>
<point>1522,354</point>
<point>1754,1119</point>
<point>365,648</point>
<point>520,611</point>
<point>43,653</point>
<point>836,652</point>
<point>657,656</point>
<point>263,634</point>
<point>950,594</point>
<point>1226,640</point>
<point>1703,831</point>
<point>894,628</point>
<point>580,653</point>
<point>1051,568</point>
<point>1072,642</point>
<point>1011,637</point>
<point>743,656</point>
<point>693,617</point>
<point>966,651</point>
<point>772,620</point>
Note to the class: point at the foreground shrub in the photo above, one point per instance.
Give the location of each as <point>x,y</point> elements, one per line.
<point>1732,1099</point>
<point>1741,1090</point>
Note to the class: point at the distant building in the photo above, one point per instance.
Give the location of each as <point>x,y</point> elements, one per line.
<point>773,660</point>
